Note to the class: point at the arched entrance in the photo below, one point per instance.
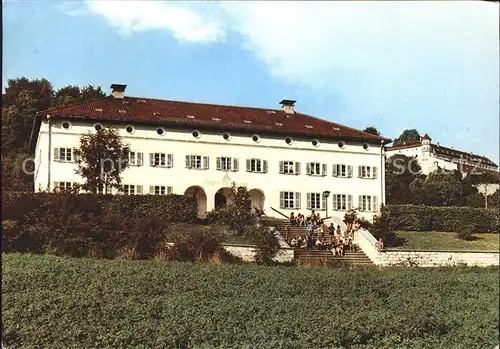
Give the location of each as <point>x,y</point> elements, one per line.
<point>257,198</point>
<point>222,197</point>
<point>201,199</point>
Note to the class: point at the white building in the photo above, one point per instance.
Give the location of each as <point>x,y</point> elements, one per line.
<point>287,160</point>
<point>431,156</point>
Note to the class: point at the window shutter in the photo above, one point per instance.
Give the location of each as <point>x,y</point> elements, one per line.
<point>205,162</point>
<point>151,189</point>
<point>218,163</point>
<point>308,168</point>
<point>374,172</point>
<point>170,190</point>
<point>264,166</point>
<point>349,202</point>
<point>73,155</point>
<point>334,170</point>
<point>323,202</point>
<point>249,165</point>
<point>297,200</point>
<point>323,170</point>
<point>360,203</point>
<point>170,160</point>
<point>282,167</point>
<point>188,161</point>
<point>349,171</point>
<point>308,201</point>
<point>151,159</point>
<point>235,165</point>
<point>138,189</point>
<point>374,204</point>
<point>56,154</point>
<point>297,167</point>
<point>140,160</point>
<point>359,171</point>
<point>282,199</point>
<point>55,186</point>
<point>335,202</point>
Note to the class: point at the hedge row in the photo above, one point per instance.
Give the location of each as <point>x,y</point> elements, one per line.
<point>453,219</point>
<point>90,225</point>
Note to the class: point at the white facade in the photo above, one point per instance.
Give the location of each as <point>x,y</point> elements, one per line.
<point>266,188</point>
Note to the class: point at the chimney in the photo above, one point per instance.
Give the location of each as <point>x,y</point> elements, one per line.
<point>118,91</point>
<point>287,105</point>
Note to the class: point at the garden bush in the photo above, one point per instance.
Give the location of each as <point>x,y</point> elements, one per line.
<point>194,243</point>
<point>452,219</point>
<point>55,302</point>
<point>91,225</point>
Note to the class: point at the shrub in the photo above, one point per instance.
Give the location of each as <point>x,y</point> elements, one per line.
<point>91,225</point>
<point>194,244</point>
<point>237,215</point>
<point>426,218</point>
<point>267,245</point>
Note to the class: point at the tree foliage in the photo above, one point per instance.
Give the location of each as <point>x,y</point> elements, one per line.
<point>401,175</point>
<point>372,130</point>
<point>22,99</point>
<point>101,159</point>
<point>408,136</point>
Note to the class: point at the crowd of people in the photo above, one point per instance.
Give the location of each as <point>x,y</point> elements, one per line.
<point>339,240</point>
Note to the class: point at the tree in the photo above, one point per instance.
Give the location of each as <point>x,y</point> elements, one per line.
<point>445,188</point>
<point>400,172</point>
<point>408,136</point>
<point>372,130</point>
<point>101,159</point>
<point>22,99</point>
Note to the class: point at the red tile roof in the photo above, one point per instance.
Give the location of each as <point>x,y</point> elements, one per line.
<point>171,113</point>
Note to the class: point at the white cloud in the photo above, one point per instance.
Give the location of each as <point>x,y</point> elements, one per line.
<point>186,21</point>
<point>403,62</point>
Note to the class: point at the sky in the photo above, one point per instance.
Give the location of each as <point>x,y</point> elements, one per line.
<point>433,66</point>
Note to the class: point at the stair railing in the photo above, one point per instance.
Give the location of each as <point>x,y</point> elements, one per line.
<point>281,213</point>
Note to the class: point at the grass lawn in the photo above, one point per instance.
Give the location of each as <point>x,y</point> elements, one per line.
<point>436,240</point>
<point>59,302</point>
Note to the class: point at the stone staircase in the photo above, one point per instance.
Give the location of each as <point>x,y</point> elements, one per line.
<point>317,257</point>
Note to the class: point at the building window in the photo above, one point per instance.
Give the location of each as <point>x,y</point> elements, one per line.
<point>316,169</point>
<point>131,189</point>
<point>66,125</point>
<point>257,165</point>
<point>160,190</point>
<point>135,158</point>
<point>367,203</point>
<point>342,202</point>
<point>315,201</point>
<point>367,172</point>
<point>63,154</point>
<point>256,138</point>
<point>340,170</point>
<point>130,129</point>
<point>101,190</point>
<point>226,136</point>
<point>289,200</point>
<point>97,127</point>
<point>196,134</point>
<point>226,164</point>
<point>197,162</point>
<point>161,160</point>
<point>341,144</point>
<point>160,131</point>
<point>315,142</point>
<point>290,167</point>
<point>64,186</point>
<point>288,140</point>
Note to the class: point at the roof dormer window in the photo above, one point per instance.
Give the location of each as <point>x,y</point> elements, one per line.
<point>215,119</point>
<point>190,116</point>
<point>247,121</point>
<point>309,126</point>
<point>122,111</point>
